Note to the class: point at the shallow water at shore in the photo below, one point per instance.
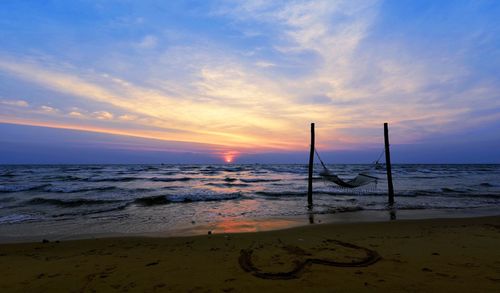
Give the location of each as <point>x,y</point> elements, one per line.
<point>94,199</point>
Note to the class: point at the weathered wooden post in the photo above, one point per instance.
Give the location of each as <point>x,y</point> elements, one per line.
<point>311,162</point>
<point>388,165</point>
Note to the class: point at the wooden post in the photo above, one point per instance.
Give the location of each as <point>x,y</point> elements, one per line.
<point>311,162</point>
<point>388,165</point>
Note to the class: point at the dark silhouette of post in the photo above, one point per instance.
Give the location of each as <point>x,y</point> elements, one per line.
<point>388,165</point>
<point>311,162</point>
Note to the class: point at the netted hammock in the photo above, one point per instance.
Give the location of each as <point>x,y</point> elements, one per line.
<point>360,180</point>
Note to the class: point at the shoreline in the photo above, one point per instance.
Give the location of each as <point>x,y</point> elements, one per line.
<point>256,225</point>
<point>460,254</point>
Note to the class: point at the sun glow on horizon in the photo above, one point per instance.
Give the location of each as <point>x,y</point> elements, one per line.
<point>229,157</point>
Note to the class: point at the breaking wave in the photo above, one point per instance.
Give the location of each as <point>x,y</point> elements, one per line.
<point>17,218</point>
<point>166,199</point>
<point>69,202</point>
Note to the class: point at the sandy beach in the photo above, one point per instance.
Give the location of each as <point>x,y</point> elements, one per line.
<point>412,256</point>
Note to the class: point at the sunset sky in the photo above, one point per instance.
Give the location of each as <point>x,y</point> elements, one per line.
<point>213,81</point>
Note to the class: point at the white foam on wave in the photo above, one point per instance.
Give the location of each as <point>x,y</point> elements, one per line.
<point>202,195</point>
<point>17,218</point>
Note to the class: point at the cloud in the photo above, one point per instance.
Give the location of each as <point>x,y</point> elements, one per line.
<point>264,64</point>
<point>197,121</point>
<point>17,103</point>
<point>102,115</point>
<point>76,114</point>
<point>361,80</point>
<point>127,117</point>
<point>148,42</point>
<point>48,109</point>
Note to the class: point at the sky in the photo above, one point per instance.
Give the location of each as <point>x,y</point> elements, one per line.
<point>241,81</point>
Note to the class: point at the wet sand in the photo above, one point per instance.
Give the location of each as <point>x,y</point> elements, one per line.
<point>413,256</point>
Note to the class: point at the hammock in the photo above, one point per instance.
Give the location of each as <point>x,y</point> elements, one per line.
<point>360,180</point>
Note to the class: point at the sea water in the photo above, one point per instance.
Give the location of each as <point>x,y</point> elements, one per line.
<point>41,200</point>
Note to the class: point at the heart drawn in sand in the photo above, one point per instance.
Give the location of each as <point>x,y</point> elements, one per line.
<point>277,260</point>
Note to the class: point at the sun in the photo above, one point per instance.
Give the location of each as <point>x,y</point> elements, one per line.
<point>228,158</point>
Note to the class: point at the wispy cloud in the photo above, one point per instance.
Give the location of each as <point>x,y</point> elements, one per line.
<point>17,103</point>
<point>161,109</point>
<point>148,42</point>
<point>48,109</point>
<point>103,115</point>
<point>76,114</point>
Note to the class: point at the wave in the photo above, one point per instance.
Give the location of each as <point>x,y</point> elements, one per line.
<point>114,179</point>
<point>91,212</point>
<point>451,190</point>
<point>19,188</point>
<point>189,167</point>
<point>135,169</point>
<point>259,172</point>
<point>293,169</point>
<point>446,192</point>
<point>233,169</point>
<point>71,189</point>
<point>94,167</point>
<point>171,173</point>
<point>203,196</point>
<point>486,184</point>
<point>345,209</point>
<point>17,218</point>
<point>69,203</point>
<point>7,199</point>
<point>65,178</point>
<point>171,179</point>
<point>281,193</point>
<point>210,172</point>
<point>71,169</point>
<point>125,173</point>
<point>487,195</point>
<point>255,180</point>
<point>426,177</point>
<point>178,198</point>
<point>221,168</point>
<point>187,173</point>
<point>8,174</point>
<point>151,168</point>
<point>152,200</point>
<point>228,184</point>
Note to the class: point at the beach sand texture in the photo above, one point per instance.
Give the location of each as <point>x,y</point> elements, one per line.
<point>448,255</point>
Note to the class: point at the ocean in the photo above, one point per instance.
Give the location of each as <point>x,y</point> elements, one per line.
<point>64,201</point>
